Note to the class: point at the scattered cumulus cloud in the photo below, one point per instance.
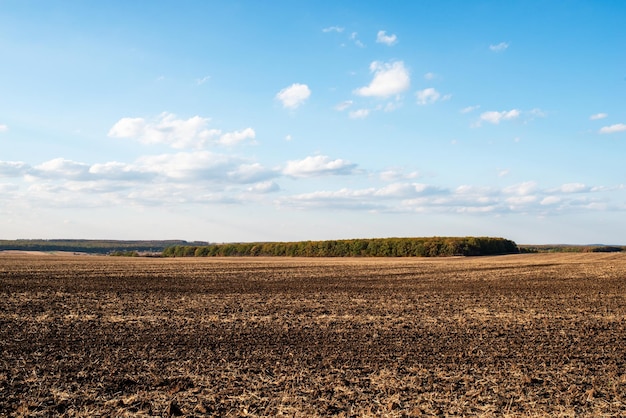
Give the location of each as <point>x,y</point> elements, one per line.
<point>496,117</point>
<point>61,168</point>
<point>429,96</point>
<point>618,127</point>
<point>264,187</point>
<point>208,178</point>
<point>354,37</point>
<point>383,38</point>
<point>233,138</point>
<point>502,46</point>
<point>389,79</point>
<point>598,116</point>
<point>167,129</point>
<point>250,173</point>
<point>293,96</point>
<point>522,189</point>
<point>319,165</point>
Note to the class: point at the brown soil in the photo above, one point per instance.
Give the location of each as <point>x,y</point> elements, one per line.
<point>521,335</point>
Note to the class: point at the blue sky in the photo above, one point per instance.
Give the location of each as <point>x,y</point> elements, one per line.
<point>293,120</point>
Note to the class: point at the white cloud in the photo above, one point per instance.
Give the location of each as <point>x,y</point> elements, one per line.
<point>114,170</point>
<point>598,116</point>
<point>189,166</point>
<point>337,29</point>
<point>618,127</point>
<point>359,114</point>
<point>233,138</point>
<point>574,188</point>
<point>128,128</point>
<point>250,173</point>
<point>550,200</point>
<point>429,96</point>
<point>288,137</point>
<point>522,189</point>
<point>430,76</point>
<point>264,187</point>
<point>503,173</point>
<point>61,168</point>
<point>3,128</point>
<point>13,168</point>
<point>318,165</point>
<point>389,79</point>
<point>383,38</point>
<point>495,117</point>
<point>166,129</point>
<point>502,46</point>
<point>294,95</point>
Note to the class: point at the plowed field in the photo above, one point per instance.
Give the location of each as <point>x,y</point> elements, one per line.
<point>521,335</point>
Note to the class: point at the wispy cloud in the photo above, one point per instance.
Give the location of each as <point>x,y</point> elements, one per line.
<point>469,109</point>
<point>343,105</point>
<point>618,127</point>
<point>354,37</point>
<point>337,29</point>
<point>359,114</point>
<point>3,128</point>
<point>389,79</point>
<point>383,38</point>
<point>202,80</point>
<point>293,96</point>
<point>598,116</point>
<point>502,46</point>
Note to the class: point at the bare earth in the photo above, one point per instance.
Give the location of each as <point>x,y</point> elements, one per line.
<point>522,335</point>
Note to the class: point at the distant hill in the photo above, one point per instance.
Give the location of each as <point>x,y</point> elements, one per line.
<point>93,246</point>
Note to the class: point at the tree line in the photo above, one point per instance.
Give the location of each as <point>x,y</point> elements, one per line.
<point>115,247</point>
<point>373,247</point>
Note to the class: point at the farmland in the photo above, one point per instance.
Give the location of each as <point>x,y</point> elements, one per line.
<point>518,335</point>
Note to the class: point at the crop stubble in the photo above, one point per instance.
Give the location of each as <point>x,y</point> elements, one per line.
<point>539,334</point>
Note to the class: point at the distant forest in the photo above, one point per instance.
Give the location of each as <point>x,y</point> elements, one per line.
<point>375,247</point>
<point>112,247</point>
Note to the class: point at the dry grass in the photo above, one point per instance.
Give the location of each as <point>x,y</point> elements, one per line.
<point>524,335</point>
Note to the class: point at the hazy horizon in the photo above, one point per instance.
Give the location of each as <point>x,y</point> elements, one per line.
<point>290,121</point>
